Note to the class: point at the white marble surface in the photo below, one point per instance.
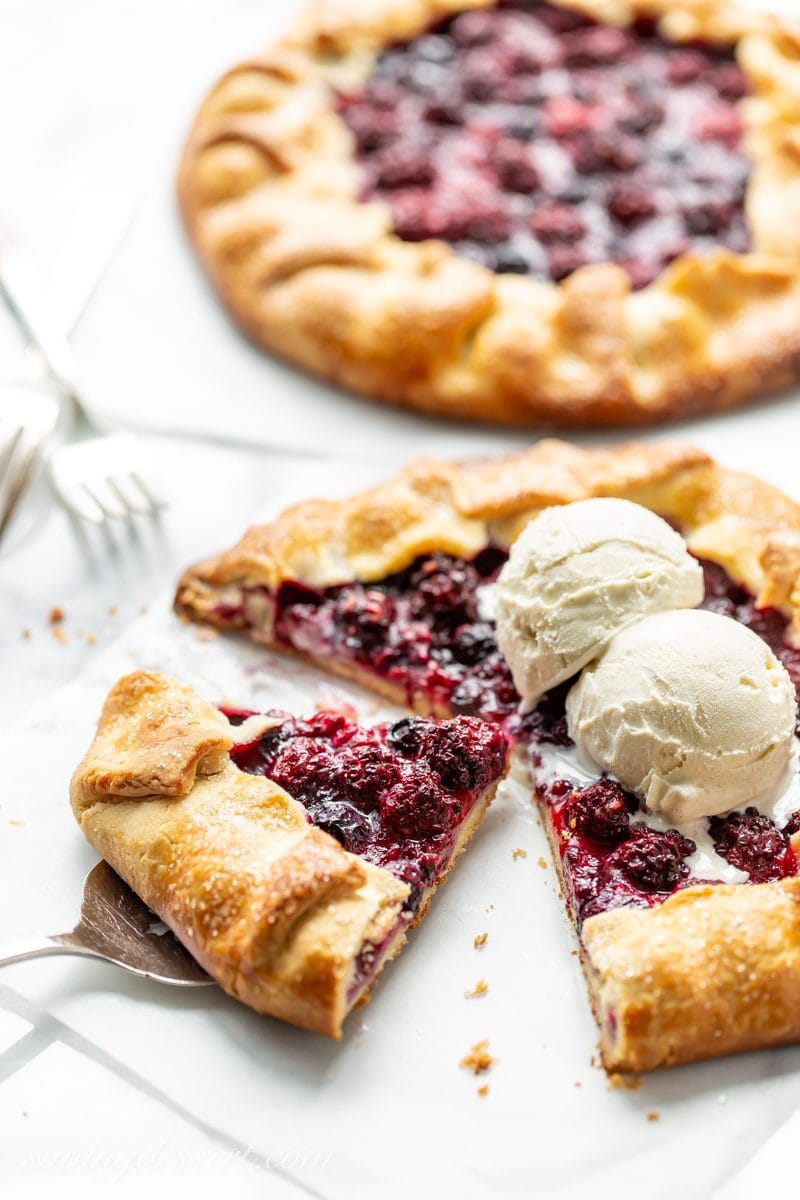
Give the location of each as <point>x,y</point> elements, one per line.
<point>107,1083</point>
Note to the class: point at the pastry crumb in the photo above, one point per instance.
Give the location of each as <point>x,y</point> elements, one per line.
<point>489,909</point>
<point>577,1083</point>
<point>207,633</point>
<point>26,633</point>
<point>483,1091</point>
<point>91,638</point>
<point>654,1116</point>
<point>479,1059</point>
<point>630,1082</point>
<point>541,862</point>
<point>480,989</point>
<point>519,853</point>
<point>56,615</point>
<point>480,940</point>
<point>112,610</point>
<point>16,822</point>
<point>59,635</point>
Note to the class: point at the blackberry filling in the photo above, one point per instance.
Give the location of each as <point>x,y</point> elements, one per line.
<point>396,794</point>
<point>536,140</point>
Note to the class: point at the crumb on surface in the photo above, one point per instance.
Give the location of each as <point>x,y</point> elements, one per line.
<point>480,989</point>
<point>653,1115</point>
<point>26,633</point>
<point>489,909</point>
<point>478,1059</point>
<point>541,862</point>
<point>207,633</point>
<point>16,822</point>
<point>480,940</point>
<point>483,1091</point>
<point>56,615</point>
<point>618,1079</point>
<point>59,635</point>
<point>519,853</point>
<point>91,638</point>
<point>112,610</point>
<point>577,1083</point>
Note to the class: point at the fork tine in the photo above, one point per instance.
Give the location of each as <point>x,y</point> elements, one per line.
<point>77,499</point>
<point>18,474</point>
<point>108,498</point>
<point>9,439</point>
<point>131,495</point>
<point>155,498</point>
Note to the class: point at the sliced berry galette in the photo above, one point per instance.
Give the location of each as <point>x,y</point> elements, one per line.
<point>513,210</point>
<point>289,856</point>
<point>673,807</point>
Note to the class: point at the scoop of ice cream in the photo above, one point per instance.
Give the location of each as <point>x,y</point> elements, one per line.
<point>690,710</point>
<point>578,574</point>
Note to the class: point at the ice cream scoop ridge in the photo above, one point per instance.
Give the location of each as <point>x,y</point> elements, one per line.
<point>579,574</point>
<point>690,710</point>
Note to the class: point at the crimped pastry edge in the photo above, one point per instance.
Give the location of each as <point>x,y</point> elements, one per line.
<point>268,188</point>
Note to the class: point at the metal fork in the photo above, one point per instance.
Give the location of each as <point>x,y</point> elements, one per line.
<point>97,475</point>
<point>115,925</point>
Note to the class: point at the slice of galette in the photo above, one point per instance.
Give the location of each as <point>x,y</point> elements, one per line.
<point>289,856</point>
<point>577,212</point>
<point>690,936</point>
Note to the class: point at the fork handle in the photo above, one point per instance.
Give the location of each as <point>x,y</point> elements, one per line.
<point>40,947</point>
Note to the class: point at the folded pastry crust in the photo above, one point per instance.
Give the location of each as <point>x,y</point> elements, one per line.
<point>273,908</point>
<point>737,520</point>
<point>713,970</point>
<point>269,191</point>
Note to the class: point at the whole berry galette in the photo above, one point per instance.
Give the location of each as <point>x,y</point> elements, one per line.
<point>673,810</point>
<point>575,212</point>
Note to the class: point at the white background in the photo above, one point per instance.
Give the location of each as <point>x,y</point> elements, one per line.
<point>109,1083</point>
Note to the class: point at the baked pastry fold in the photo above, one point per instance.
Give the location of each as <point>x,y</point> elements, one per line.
<point>273,908</point>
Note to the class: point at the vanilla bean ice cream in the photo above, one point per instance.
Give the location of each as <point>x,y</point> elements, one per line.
<point>577,575</point>
<point>690,710</point>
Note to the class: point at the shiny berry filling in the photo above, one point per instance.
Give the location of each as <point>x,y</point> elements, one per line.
<point>536,140</point>
<point>420,629</point>
<point>395,794</point>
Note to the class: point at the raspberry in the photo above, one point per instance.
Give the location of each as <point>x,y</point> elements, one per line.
<point>467,753</point>
<point>600,812</point>
<point>473,28</point>
<point>629,203</point>
<point>444,590</point>
<point>721,123</point>
<point>515,170</point>
<point>364,616</point>
<point>474,642</point>
<point>752,843</point>
<point>402,165</point>
<point>709,217</point>
<point>729,80</point>
<point>556,222</point>
<point>685,66</point>
<point>600,151</point>
<point>414,807</point>
<point>653,861</point>
<point>565,116</point>
<point>643,117</point>
<point>372,128</point>
<point>597,45</point>
<point>563,259</point>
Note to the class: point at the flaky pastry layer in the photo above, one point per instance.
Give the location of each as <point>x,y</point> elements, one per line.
<point>269,191</point>
<point>273,908</point>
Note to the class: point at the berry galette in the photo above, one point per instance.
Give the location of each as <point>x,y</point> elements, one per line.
<point>513,210</point>
<point>678,837</point>
<point>289,856</point>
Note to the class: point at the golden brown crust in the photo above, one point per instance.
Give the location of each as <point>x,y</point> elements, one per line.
<point>749,527</point>
<point>675,997</point>
<point>269,191</point>
<point>273,908</point>
<point>711,971</point>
